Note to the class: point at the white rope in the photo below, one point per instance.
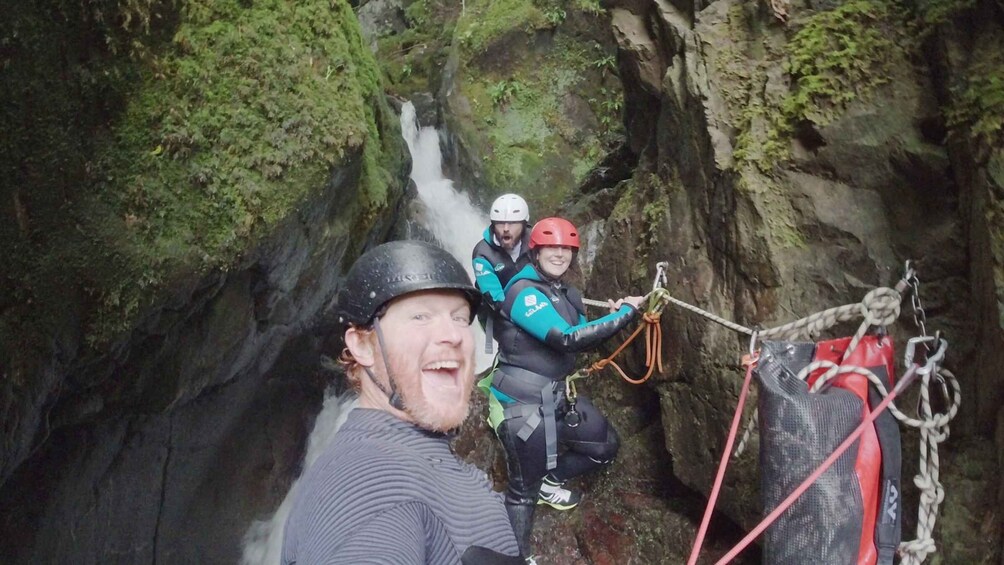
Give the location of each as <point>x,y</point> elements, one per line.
<point>880,307</point>
<point>933,431</point>
<point>931,492</point>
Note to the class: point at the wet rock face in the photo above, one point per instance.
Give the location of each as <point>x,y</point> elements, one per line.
<point>209,433</point>
<point>530,99</point>
<point>381,17</point>
<point>858,193</point>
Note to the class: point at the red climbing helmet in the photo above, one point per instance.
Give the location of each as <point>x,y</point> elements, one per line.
<point>554,231</point>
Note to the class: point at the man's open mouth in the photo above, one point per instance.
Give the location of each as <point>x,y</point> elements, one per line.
<point>443,373</point>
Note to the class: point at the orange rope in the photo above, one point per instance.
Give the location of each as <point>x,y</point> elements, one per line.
<point>653,350</point>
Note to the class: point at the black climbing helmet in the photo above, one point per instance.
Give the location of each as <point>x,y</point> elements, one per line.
<point>395,269</point>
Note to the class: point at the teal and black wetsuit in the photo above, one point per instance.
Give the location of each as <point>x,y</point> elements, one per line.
<point>494,267</point>
<point>387,492</point>
<point>544,328</point>
<point>547,325</point>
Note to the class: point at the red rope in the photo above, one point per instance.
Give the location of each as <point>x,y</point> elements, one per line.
<point>773,516</point>
<point>723,464</point>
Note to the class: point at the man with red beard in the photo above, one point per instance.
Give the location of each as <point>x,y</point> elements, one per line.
<point>388,489</point>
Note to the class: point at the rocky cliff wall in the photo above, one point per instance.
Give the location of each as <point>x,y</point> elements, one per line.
<point>776,201</point>
<point>159,371</point>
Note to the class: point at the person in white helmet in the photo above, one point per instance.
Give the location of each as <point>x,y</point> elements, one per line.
<point>500,254</point>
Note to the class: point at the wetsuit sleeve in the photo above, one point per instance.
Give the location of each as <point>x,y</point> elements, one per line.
<point>394,537</point>
<point>533,312</point>
<point>488,282</point>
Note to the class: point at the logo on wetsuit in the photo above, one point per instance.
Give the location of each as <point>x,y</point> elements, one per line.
<point>533,306</point>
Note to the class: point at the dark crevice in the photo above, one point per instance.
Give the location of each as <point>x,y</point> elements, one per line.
<point>163,486</point>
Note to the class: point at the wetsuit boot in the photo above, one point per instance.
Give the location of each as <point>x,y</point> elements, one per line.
<point>521,518</point>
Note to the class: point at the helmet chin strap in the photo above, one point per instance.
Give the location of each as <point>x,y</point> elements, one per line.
<point>392,396</point>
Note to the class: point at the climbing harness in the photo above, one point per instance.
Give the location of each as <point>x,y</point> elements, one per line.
<point>832,367</point>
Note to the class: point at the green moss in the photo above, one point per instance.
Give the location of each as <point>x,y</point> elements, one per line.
<point>644,202</point>
<point>412,60</point>
<point>932,13</point>
<point>838,56</point>
<point>625,206</point>
<point>532,142</point>
<point>774,208</point>
<point>835,57</point>
<point>590,6</point>
<point>977,108</point>
<point>485,21</point>
<point>230,125</point>
<point>764,133</point>
<point>764,136</point>
<point>584,163</point>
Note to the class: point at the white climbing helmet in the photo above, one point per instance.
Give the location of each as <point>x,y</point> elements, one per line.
<point>510,208</point>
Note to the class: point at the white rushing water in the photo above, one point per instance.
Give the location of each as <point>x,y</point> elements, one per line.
<point>448,214</point>
<point>263,540</point>
<point>451,218</point>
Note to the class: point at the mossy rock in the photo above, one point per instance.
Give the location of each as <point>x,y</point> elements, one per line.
<point>231,116</point>
<point>542,101</point>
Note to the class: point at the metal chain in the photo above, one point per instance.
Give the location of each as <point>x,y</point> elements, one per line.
<point>919,315</point>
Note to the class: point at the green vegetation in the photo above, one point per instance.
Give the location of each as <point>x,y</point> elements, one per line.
<point>541,118</point>
<point>610,105</point>
<point>606,62</point>
<point>650,193</point>
<point>932,13</point>
<point>486,21</point>
<point>234,115</point>
<point>838,56</point>
<point>774,208</point>
<point>412,60</point>
<point>590,6</point>
<point>764,137</point>
<point>834,58</point>
<point>978,104</point>
<point>533,141</point>
<point>555,16</point>
<point>841,55</point>
<point>503,92</point>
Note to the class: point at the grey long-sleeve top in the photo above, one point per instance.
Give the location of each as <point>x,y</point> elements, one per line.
<point>387,492</point>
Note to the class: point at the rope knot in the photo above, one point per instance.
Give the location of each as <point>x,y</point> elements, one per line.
<point>599,365</point>
<point>881,306</point>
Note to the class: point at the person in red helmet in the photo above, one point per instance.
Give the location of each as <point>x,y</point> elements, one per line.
<point>543,328</point>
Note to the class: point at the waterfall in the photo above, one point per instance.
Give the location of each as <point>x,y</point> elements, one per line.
<point>457,225</point>
<point>263,540</point>
<point>448,214</point>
